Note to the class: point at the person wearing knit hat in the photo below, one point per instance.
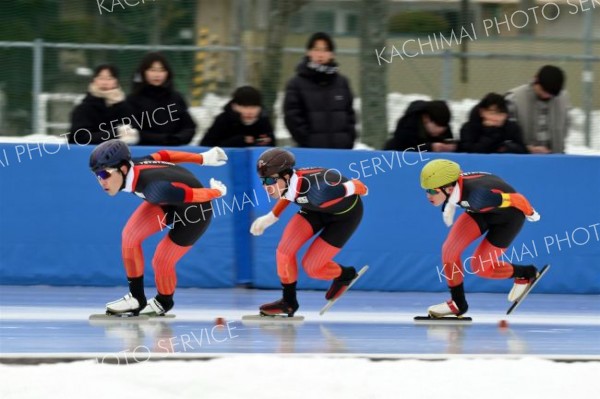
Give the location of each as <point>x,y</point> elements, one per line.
<point>541,108</point>
<point>243,123</point>
<point>425,126</point>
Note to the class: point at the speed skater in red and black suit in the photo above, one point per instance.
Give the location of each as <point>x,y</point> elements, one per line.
<point>330,206</point>
<point>494,209</point>
<point>170,193</point>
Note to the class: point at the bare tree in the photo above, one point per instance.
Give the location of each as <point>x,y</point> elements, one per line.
<point>279,16</point>
<point>373,77</point>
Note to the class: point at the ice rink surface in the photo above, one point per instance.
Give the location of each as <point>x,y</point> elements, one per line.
<point>53,321</point>
<point>370,331</point>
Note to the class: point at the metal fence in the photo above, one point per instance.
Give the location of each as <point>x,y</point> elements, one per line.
<point>215,47</point>
<point>449,75</point>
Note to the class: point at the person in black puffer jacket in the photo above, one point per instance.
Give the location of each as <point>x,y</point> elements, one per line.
<point>103,113</point>
<point>489,130</point>
<point>242,122</point>
<point>159,112</point>
<point>318,100</point>
<point>425,126</point>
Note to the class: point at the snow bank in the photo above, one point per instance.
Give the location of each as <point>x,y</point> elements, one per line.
<point>262,376</point>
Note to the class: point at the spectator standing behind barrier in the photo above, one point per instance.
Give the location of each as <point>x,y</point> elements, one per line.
<point>99,117</point>
<point>489,130</point>
<point>242,122</point>
<point>159,112</point>
<point>541,108</point>
<point>425,126</point>
<point>318,100</point>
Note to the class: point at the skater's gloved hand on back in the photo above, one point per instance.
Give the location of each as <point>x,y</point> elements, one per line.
<point>534,217</point>
<point>521,203</point>
<point>128,134</point>
<point>216,184</point>
<point>214,157</point>
<point>357,187</point>
<point>260,224</point>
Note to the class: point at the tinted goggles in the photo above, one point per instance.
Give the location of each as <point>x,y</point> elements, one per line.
<point>105,173</point>
<point>269,180</point>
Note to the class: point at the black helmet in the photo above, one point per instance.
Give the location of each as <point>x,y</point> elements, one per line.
<point>275,160</point>
<point>109,154</point>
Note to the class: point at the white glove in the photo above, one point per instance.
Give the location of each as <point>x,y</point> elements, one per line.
<point>219,186</point>
<point>128,134</point>
<point>260,224</point>
<point>448,214</point>
<point>533,217</point>
<point>214,157</point>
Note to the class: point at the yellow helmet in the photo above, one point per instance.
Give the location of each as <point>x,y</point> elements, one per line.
<point>438,173</point>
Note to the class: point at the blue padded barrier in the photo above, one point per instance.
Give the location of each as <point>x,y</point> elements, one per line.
<point>402,234</point>
<point>59,228</point>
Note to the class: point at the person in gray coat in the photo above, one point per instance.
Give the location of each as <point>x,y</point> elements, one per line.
<point>541,108</point>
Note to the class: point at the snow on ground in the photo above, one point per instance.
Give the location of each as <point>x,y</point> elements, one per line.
<point>396,105</point>
<point>262,376</point>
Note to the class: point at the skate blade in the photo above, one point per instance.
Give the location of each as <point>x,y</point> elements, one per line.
<point>522,297</point>
<point>279,319</point>
<point>331,302</point>
<point>118,317</point>
<point>163,317</point>
<point>446,320</point>
<point>129,317</point>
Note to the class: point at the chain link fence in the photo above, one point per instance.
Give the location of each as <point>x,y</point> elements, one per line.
<point>215,47</point>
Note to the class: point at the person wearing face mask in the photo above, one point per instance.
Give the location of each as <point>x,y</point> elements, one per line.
<point>318,101</point>
<point>242,122</point>
<point>425,126</point>
<point>102,115</point>
<point>489,130</point>
<point>159,112</point>
<point>541,108</point>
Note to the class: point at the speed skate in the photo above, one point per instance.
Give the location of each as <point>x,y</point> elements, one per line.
<point>331,302</point>
<point>446,320</point>
<point>259,318</point>
<point>537,279</point>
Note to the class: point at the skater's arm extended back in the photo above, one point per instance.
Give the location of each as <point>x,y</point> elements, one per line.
<point>485,199</point>
<point>213,157</point>
<point>331,194</point>
<point>166,192</point>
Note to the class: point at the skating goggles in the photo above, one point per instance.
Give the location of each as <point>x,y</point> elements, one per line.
<point>269,180</point>
<point>432,191</point>
<point>105,173</point>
